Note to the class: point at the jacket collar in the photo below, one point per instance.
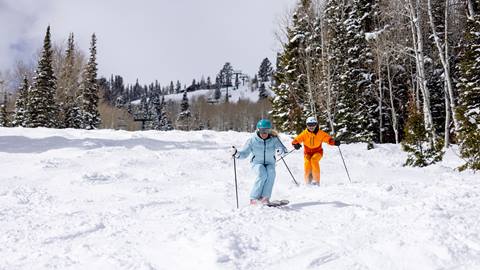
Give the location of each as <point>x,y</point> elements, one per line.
<point>315,131</point>
<point>258,136</point>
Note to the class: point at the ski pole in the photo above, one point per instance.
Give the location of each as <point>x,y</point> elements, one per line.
<point>344,164</point>
<point>289,171</point>
<point>235,172</point>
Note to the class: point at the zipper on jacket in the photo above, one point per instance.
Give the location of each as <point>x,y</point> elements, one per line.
<point>264,151</point>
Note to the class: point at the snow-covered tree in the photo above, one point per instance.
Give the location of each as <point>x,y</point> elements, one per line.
<point>416,142</point>
<point>42,109</point>
<point>4,121</point>
<point>184,119</point>
<point>161,121</point>
<point>178,87</point>
<point>90,89</point>
<point>352,59</point>
<point>217,94</point>
<point>21,109</point>
<point>291,104</point>
<point>73,113</point>
<point>468,110</point>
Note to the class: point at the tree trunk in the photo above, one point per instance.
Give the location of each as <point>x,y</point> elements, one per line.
<point>415,21</point>
<point>308,67</point>
<point>380,97</point>
<point>327,82</point>
<point>443,54</point>
<point>470,8</point>
<point>394,113</point>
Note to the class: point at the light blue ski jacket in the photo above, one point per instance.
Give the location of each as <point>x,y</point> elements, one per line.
<point>261,151</point>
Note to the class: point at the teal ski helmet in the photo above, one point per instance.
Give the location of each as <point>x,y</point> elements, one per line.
<point>264,123</point>
<point>264,126</point>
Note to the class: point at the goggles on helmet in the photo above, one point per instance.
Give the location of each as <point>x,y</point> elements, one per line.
<point>264,130</point>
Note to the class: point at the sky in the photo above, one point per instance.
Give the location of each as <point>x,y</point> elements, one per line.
<point>150,40</point>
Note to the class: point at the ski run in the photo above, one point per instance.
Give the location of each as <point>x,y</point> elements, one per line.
<point>104,199</point>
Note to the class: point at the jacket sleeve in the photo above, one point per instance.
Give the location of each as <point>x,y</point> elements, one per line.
<point>328,139</point>
<point>299,138</point>
<point>279,145</point>
<point>246,150</point>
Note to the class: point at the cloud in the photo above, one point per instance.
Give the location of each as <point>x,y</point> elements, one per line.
<point>148,39</point>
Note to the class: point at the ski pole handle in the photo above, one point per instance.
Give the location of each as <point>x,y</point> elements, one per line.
<point>281,157</point>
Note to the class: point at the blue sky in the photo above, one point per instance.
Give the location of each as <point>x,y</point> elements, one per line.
<point>149,39</point>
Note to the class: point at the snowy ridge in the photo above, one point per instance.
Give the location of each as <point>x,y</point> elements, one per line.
<point>76,199</point>
<point>243,92</point>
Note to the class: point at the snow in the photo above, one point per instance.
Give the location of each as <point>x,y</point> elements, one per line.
<point>104,199</point>
<point>243,92</point>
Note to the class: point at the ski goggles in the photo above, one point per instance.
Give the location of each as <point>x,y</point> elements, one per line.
<point>264,130</point>
<point>311,124</point>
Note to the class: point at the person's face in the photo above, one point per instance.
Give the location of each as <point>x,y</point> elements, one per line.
<point>311,127</point>
<point>264,132</point>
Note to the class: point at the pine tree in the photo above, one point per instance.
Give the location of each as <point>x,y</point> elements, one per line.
<point>178,87</point>
<point>90,88</point>
<point>265,71</point>
<point>171,88</point>
<point>289,107</point>
<point>161,121</point>
<point>420,150</point>
<point>353,61</point>
<point>468,109</point>
<point>185,116</point>
<point>4,121</point>
<point>73,113</point>
<point>203,84</point>
<point>42,109</point>
<point>209,83</point>
<point>226,74</point>
<point>262,91</point>
<point>21,109</point>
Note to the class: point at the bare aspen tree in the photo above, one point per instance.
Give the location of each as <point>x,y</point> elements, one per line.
<point>326,84</point>
<point>471,12</point>
<point>393,110</point>
<point>444,56</point>
<point>415,17</point>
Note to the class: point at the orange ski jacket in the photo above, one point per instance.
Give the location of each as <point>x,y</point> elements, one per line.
<point>312,141</point>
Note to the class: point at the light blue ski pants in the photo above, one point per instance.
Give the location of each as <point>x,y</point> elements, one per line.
<point>262,188</point>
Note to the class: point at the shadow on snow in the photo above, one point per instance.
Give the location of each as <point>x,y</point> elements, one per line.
<point>21,144</point>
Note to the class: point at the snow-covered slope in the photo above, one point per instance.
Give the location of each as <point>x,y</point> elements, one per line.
<point>74,199</point>
<point>243,92</point>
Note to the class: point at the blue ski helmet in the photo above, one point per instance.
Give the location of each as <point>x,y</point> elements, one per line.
<point>264,124</point>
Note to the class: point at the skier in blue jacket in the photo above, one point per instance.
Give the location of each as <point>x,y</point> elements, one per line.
<point>262,146</point>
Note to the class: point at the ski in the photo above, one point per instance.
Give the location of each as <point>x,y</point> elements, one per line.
<point>277,203</point>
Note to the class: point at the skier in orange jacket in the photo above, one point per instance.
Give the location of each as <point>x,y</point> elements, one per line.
<point>312,138</point>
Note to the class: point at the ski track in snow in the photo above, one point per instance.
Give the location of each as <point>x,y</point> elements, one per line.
<point>72,199</point>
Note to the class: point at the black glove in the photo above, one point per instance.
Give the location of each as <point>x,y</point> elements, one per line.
<point>297,146</point>
<point>337,143</point>
<point>233,151</point>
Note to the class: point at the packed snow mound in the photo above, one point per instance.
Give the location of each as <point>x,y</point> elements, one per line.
<point>104,199</point>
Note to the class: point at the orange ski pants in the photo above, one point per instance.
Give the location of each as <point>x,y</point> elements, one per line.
<point>312,167</point>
